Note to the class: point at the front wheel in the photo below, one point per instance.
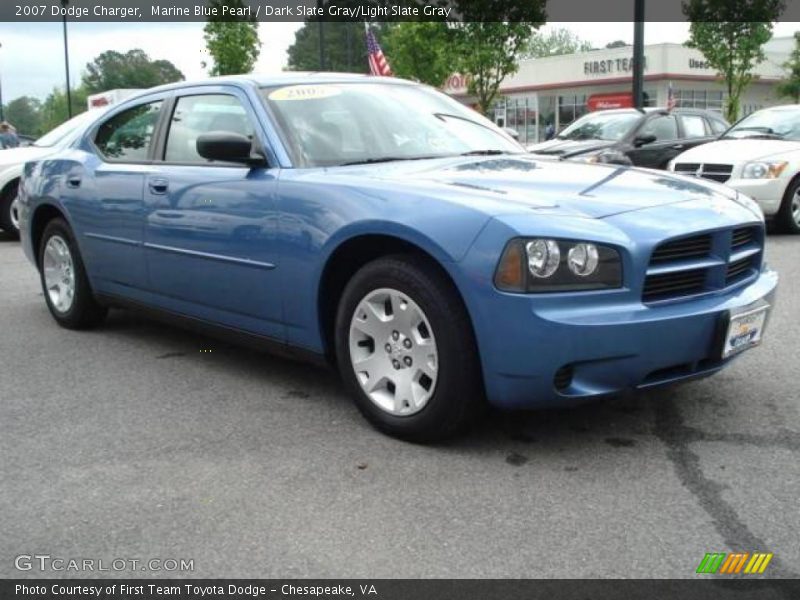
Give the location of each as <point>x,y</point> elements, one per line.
<point>64,282</point>
<point>406,350</point>
<point>9,210</point>
<point>788,216</point>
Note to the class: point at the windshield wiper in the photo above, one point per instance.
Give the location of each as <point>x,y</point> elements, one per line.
<point>384,159</point>
<point>758,132</point>
<point>483,153</point>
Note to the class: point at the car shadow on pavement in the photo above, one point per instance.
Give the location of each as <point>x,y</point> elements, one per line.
<point>4,237</point>
<point>618,420</point>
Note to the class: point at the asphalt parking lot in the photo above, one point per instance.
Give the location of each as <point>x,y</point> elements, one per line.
<point>143,441</point>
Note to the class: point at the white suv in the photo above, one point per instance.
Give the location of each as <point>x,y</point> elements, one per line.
<point>759,157</point>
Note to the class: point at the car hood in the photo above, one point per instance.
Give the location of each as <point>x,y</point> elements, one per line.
<point>729,151</point>
<point>19,156</point>
<point>514,183</point>
<point>561,147</point>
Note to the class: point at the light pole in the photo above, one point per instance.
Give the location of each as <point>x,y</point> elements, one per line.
<point>638,53</point>
<point>321,25</point>
<point>2,115</point>
<point>66,60</point>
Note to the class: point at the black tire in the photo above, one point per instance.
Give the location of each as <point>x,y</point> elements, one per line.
<point>84,312</point>
<point>6,200</point>
<point>785,218</point>
<point>458,395</point>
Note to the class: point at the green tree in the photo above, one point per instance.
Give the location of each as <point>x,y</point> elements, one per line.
<point>233,44</point>
<point>24,114</point>
<point>554,43</point>
<point>789,87</point>
<point>54,107</point>
<point>734,46</point>
<point>133,69</point>
<point>617,44</point>
<point>344,46</point>
<point>420,51</point>
<point>487,54</point>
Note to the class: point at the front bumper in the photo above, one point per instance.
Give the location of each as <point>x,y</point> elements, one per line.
<point>608,348</point>
<point>768,193</point>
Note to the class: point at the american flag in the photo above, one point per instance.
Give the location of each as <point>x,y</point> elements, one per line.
<point>670,97</point>
<point>378,65</point>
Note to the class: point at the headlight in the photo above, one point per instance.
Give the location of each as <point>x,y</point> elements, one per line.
<point>543,257</point>
<point>547,265</point>
<point>613,157</point>
<point>583,259</point>
<point>763,170</point>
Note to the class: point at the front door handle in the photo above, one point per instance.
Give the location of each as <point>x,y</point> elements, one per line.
<point>158,185</point>
<point>678,146</point>
<point>74,181</point>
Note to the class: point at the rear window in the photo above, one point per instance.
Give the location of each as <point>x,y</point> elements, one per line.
<point>127,135</point>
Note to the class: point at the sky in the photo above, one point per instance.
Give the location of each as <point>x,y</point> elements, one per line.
<point>32,63</point>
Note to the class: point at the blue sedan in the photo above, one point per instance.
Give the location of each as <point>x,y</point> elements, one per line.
<point>385,228</point>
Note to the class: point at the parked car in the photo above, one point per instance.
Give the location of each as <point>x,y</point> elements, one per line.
<point>12,161</point>
<point>427,255</point>
<point>760,157</point>
<point>645,138</point>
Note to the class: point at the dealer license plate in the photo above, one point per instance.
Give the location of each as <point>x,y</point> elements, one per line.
<point>744,331</point>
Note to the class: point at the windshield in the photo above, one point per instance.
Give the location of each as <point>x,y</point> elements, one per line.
<point>601,126</point>
<point>773,123</point>
<point>60,133</point>
<point>355,123</point>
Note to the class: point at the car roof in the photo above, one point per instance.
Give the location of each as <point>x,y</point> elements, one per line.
<point>658,109</point>
<point>285,78</point>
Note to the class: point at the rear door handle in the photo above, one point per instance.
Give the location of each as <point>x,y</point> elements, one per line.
<point>74,181</point>
<point>158,185</point>
<point>678,146</point>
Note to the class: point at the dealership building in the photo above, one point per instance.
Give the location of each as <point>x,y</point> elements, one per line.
<point>558,89</point>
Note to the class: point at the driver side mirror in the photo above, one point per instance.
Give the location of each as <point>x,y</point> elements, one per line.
<point>642,140</point>
<point>226,146</point>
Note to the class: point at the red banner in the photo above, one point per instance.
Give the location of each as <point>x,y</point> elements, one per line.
<point>606,101</point>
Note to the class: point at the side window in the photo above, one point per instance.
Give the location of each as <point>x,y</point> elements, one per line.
<point>663,127</point>
<point>718,125</point>
<point>195,115</point>
<point>694,126</point>
<point>127,136</point>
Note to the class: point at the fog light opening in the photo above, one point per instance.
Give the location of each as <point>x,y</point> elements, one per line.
<point>563,378</point>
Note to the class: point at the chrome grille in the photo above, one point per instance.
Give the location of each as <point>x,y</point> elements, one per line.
<point>714,171</point>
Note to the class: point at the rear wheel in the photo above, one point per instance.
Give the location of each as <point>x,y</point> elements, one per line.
<point>788,216</point>
<point>9,210</point>
<point>406,351</point>
<point>64,282</point>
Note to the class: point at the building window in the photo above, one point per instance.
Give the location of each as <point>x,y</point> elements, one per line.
<point>517,113</point>
<point>705,99</point>
<point>570,108</point>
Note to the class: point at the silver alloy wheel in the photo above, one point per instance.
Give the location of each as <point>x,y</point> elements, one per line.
<point>15,212</point>
<point>393,352</point>
<point>796,207</point>
<point>59,274</point>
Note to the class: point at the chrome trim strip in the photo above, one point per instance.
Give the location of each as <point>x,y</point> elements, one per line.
<point>111,238</point>
<point>219,257</point>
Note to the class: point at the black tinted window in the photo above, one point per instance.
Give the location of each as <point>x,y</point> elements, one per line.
<point>127,136</point>
<point>663,127</point>
<point>195,115</point>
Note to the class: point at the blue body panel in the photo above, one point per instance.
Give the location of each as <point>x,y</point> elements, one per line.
<point>247,248</point>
